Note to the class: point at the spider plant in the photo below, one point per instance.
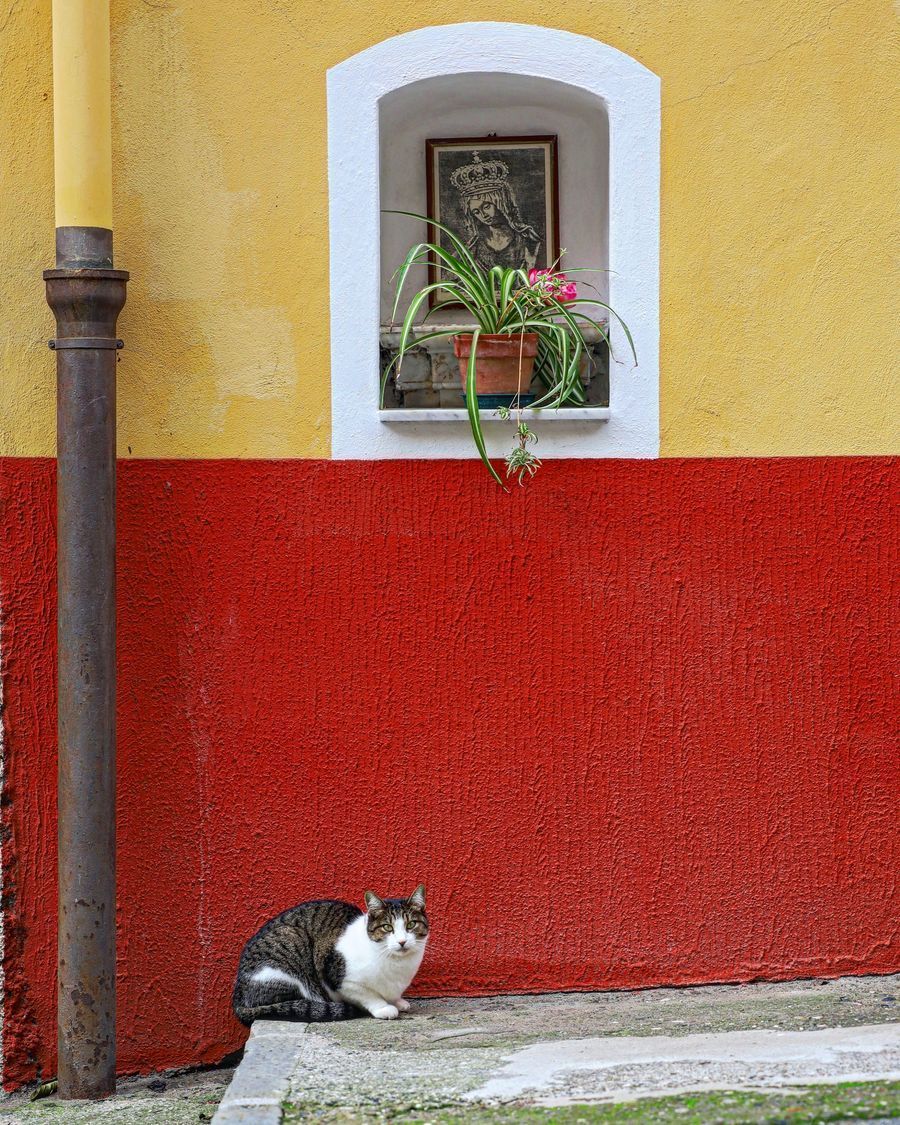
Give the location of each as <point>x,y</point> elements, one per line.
<point>502,301</point>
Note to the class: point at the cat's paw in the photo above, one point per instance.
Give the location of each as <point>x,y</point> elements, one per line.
<point>402,1005</point>
<point>388,1012</point>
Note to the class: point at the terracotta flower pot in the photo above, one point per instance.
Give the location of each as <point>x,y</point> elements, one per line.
<point>503,365</point>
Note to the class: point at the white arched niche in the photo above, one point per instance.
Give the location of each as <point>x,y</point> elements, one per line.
<point>466,80</point>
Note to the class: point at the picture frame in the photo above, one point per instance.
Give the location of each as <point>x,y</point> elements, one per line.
<point>500,194</point>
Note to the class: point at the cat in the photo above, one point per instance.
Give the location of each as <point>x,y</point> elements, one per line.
<point>327,960</point>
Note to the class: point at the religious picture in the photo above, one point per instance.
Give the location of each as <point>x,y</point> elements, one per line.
<point>500,194</point>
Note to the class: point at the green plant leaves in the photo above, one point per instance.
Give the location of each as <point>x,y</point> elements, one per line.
<point>472,409</point>
<point>500,301</point>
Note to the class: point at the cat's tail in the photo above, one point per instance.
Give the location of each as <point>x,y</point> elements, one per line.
<point>302,1011</point>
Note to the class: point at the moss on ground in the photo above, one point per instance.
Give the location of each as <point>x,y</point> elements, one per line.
<point>851,1101</point>
<point>185,1099</point>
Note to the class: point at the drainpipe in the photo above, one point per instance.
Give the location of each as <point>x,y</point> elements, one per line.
<point>86,295</point>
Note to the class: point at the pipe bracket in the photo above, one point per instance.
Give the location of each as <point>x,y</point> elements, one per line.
<point>102,342</point>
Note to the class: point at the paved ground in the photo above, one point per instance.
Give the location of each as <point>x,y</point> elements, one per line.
<point>801,1052</point>
<point>589,1057</point>
<point>161,1099</point>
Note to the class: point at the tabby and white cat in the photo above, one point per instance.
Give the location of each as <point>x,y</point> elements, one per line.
<point>327,960</point>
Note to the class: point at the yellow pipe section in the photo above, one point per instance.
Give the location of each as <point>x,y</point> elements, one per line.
<point>82,142</point>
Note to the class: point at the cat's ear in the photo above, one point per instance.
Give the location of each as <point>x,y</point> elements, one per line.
<point>417,898</point>
<point>373,902</point>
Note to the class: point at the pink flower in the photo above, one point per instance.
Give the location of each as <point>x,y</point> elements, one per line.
<point>551,284</point>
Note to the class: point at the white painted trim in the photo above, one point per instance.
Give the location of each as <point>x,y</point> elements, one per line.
<point>631,96</point>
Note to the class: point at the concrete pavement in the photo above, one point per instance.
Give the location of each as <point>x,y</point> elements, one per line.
<point>457,1059</point>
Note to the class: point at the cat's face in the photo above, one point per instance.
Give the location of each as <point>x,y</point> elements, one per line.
<point>399,925</point>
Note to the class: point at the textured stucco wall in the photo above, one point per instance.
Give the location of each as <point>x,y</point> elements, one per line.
<point>635,723</point>
<point>655,692</point>
<point>778,137</point>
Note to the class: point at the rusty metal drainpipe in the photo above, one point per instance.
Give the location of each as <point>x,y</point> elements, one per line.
<point>86,295</point>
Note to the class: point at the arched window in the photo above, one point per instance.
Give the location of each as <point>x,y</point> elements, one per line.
<point>465,80</point>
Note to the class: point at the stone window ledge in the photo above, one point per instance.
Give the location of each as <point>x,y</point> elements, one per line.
<point>587,414</point>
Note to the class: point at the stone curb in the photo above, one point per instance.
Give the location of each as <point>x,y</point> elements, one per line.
<point>263,1079</point>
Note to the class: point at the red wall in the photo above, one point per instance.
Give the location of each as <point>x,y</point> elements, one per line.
<point>631,725</point>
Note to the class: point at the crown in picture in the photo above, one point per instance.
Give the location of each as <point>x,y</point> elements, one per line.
<point>479,176</point>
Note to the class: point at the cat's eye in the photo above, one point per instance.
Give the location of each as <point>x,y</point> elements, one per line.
<point>385,929</point>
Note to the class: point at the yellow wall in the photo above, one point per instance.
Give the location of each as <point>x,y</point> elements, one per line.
<point>779,157</point>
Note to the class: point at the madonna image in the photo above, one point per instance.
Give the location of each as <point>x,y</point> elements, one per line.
<point>500,195</point>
